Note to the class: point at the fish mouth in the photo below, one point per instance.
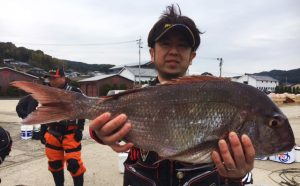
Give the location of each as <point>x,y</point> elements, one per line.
<point>285,147</point>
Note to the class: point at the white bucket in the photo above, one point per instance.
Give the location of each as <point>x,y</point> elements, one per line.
<point>26,131</point>
<point>36,128</point>
<point>297,153</point>
<point>122,158</point>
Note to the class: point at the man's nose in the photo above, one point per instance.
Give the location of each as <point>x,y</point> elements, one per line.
<point>173,50</point>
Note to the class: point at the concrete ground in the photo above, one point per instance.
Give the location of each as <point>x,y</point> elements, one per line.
<point>27,164</point>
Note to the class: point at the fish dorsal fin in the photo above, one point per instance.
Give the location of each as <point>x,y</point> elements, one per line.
<point>193,79</point>
<point>181,80</point>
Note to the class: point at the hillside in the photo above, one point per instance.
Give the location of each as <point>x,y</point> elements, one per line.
<point>289,76</point>
<point>37,58</point>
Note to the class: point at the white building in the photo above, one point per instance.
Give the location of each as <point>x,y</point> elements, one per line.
<point>135,74</point>
<point>264,83</point>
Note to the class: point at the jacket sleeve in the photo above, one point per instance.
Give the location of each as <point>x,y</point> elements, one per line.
<point>25,106</point>
<point>21,107</point>
<point>32,104</point>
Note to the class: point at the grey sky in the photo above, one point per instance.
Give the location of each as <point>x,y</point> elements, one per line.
<point>250,36</point>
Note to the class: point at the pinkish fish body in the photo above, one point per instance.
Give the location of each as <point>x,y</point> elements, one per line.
<point>180,120</point>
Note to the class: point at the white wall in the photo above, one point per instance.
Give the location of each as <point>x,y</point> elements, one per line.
<point>245,78</point>
<point>261,85</point>
<point>266,85</point>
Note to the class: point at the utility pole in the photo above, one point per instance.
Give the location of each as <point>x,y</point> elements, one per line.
<point>139,42</point>
<point>220,65</point>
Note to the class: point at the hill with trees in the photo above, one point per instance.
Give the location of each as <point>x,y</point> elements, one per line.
<point>38,58</point>
<point>283,76</point>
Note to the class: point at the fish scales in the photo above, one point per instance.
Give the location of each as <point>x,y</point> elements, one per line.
<point>184,119</point>
<point>189,119</point>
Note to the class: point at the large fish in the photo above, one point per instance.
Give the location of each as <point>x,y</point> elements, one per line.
<point>181,120</point>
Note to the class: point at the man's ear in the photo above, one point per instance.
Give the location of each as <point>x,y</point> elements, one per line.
<point>151,51</point>
<point>193,55</point>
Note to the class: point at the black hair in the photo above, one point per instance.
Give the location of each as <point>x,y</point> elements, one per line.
<point>173,16</point>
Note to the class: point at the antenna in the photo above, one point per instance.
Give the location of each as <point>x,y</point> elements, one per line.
<point>139,42</point>
<point>220,65</point>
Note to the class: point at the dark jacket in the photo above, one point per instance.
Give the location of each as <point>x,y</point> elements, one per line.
<point>5,144</point>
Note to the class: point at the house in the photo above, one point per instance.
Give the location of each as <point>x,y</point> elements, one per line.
<point>37,72</point>
<point>145,65</point>
<point>99,85</point>
<point>8,75</point>
<point>263,83</point>
<point>142,72</point>
<point>296,86</point>
<point>71,74</point>
<point>138,74</point>
<point>8,61</point>
<point>235,78</point>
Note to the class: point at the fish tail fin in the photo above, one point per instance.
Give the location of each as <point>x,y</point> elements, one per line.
<point>55,104</point>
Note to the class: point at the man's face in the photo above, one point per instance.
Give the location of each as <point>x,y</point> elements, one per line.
<point>57,82</point>
<point>172,55</point>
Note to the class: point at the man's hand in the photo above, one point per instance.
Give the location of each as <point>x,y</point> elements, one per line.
<point>111,131</point>
<point>238,164</point>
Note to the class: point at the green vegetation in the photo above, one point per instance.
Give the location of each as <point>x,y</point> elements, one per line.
<point>283,89</point>
<point>37,58</point>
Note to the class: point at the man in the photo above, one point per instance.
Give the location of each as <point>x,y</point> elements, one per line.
<point>173,42</point>
<point>63,139</point>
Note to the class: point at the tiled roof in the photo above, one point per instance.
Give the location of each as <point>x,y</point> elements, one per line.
<point>2,68</point>
<point>263,78</point>
<point>143,71</point>
<point>99,77</point>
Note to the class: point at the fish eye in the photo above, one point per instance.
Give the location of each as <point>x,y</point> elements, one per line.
<point>273,123</point>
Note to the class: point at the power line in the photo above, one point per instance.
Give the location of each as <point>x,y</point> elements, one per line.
<point>78,44</point>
